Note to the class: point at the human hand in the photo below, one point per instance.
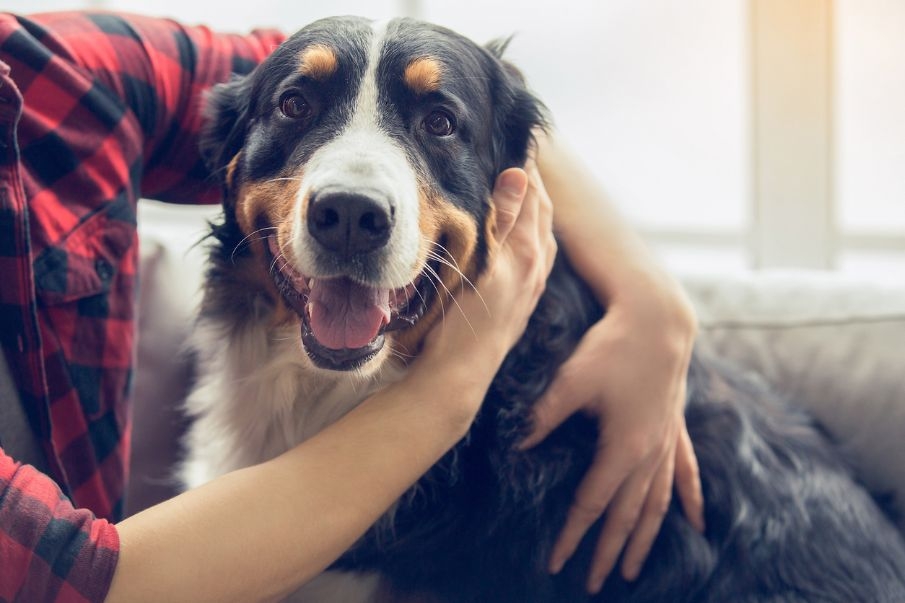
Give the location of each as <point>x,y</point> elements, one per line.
<point>486,320</point>
<point>630,371</point>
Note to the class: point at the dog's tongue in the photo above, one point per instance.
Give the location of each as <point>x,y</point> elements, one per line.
<point>346,315</point>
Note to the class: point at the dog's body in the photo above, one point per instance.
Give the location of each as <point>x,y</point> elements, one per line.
<point>357,166</point>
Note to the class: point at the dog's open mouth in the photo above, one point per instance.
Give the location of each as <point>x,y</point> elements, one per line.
<point>343,322</point>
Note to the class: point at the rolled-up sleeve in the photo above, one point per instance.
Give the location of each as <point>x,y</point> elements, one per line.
<point>49,550</point>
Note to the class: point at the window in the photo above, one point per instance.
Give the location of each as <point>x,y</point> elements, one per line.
<point>870,135</point>
<point>734,133</point>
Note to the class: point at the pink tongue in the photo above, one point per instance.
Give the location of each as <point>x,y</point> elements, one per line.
<point>346,315</point>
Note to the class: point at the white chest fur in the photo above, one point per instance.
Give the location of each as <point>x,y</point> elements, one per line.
<point>258,395</point>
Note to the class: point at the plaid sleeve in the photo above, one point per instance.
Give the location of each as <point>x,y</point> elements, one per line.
<point>161,70</point>
<point>50,551</point>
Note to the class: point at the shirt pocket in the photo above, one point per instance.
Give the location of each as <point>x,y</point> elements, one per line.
<point>86,262</point>
<point>85,292</point>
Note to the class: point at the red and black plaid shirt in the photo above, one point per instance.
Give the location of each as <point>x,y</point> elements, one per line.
<point>96,110</point>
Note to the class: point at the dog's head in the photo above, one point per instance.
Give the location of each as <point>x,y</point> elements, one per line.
<point>359,160</point>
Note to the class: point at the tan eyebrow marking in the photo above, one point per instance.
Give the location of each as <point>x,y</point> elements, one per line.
<point>423,75</point>
<point>231,169</point>
<point>318,62</point>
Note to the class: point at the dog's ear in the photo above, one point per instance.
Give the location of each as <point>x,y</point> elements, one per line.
<point>226,115</point>
<point>518,113</point>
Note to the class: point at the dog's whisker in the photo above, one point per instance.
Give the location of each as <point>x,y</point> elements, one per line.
<point>276,259</point>
<point>405,288</point>
<point>280,255</point>
<point>430,275</point>
<point>451,262</point>
<point>465,280</point>
<point>247,239</point>
<point>453,298</point>
<point>453,265</point>
<point>284,179</point>
<point>456,302</point>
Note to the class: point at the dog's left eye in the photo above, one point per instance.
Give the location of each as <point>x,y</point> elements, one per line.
<point>440,123</point>
<point>294,106</point>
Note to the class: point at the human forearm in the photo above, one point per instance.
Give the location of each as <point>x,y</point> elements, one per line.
<point>258,533</point>
<point>600,243</point>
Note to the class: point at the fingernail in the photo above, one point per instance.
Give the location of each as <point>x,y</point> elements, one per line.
<point>631,573</point>
<point>512,182</point>
<point>595,584</point>
<point>556,564</point>
<point>525,444</point>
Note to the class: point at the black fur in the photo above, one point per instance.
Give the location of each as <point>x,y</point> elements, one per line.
<point>786,521</point>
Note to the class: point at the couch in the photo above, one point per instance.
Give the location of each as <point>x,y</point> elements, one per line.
<point>833,344</point>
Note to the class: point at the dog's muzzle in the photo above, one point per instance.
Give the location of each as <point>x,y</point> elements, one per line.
<point>344,321</point>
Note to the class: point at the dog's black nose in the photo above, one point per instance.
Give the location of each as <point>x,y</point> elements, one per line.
<point>349,223</point>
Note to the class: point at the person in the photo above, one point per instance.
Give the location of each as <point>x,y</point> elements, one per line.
<point>97,109</point>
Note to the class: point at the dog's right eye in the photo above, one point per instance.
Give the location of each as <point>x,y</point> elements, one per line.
<point>294,106</point>
<point>440,123</point>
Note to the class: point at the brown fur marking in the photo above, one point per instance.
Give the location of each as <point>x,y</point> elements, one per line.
<point>318,62</point>
<point>441,220</point>
<point>231,169</point>
<point>423,75</point>
<point>274,201</point>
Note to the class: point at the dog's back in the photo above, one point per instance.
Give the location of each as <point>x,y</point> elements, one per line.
<point>785,519</point>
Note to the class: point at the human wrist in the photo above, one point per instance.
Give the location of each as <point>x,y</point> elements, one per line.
<point>655,304</point>
<point>457,382</point>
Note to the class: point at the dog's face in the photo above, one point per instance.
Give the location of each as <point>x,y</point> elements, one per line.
<point>359,160</point>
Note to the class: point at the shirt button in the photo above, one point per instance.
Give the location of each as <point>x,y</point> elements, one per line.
<point>103,269</point>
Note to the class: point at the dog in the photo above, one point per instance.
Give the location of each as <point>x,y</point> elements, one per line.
<point>357,164</point>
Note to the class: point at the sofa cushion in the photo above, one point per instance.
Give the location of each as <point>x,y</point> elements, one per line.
<point>172,260</point>
<point>830,343</point>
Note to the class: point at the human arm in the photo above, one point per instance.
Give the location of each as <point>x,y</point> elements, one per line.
<point>49,551</point>
<point>153,73</point>
<point>629,371</point>
<point>229,541</point>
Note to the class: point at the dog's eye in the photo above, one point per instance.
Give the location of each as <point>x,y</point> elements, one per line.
<point>439,123</point>
<point>294,106</point>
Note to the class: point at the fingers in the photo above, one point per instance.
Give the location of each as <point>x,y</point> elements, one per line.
<point>508,196</point>
<point>622,517</point>
<point>554,407</point>
<point>570,391</point>
<point>655,507</point>
<point>688,480</point>
<point>592,497</point>
<point>546,240</point>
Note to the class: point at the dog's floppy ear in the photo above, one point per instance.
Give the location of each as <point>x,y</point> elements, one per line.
<point>517,113</point>
<point>227,113</point>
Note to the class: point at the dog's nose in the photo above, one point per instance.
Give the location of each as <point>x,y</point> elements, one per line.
<point>350,223</point>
